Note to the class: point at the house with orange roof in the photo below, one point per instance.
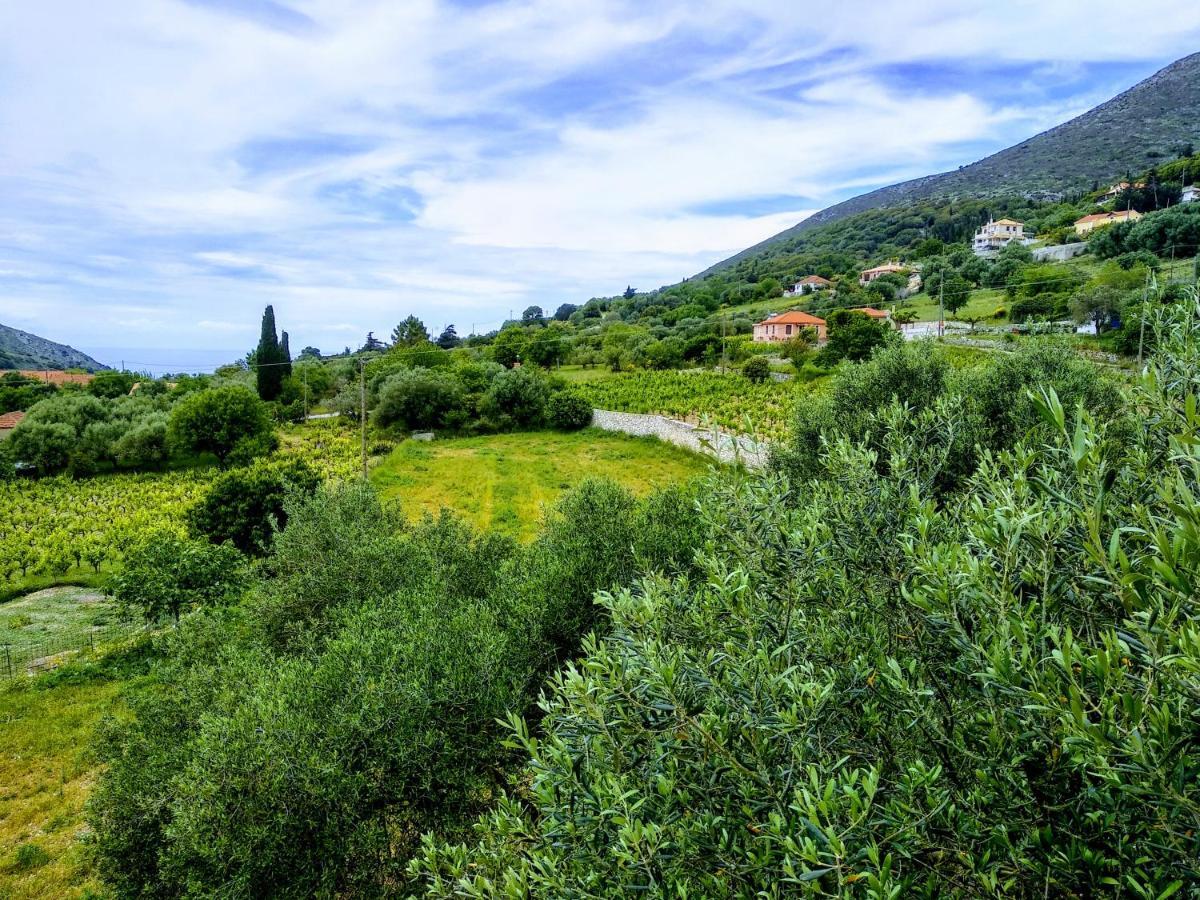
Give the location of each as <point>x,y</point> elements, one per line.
<point>1119,188</point>
<point>9,421</point>
<point>808,284</point>
<point>785,326</point>
<point>866,276</point>
<point>1088,224</point>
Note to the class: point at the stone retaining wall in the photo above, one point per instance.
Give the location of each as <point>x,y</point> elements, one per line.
<point>723,446</point>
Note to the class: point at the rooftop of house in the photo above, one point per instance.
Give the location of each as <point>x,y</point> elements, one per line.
<point>873,313</point>
<point>886,267</point>
<point>1117,214</point>
<point>814,279</point>
<point>1007,222</point>
<point>11,419</point>
<point>793,317</point>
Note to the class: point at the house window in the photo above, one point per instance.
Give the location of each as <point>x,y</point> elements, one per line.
<point>788,330</point>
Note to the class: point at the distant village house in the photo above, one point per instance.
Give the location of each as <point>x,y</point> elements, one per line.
<point>1190,194</point>
<point>808,284</point>
<point>1088,224</point>
<point>1119,188</point>
<point>785,326</point>
<point>995,236</point>
<point>866,276</point>
<point>9,421</point>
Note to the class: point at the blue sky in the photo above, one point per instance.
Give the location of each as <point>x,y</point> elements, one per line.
<point>168,170</point>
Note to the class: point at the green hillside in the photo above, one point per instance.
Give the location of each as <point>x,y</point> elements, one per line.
<point>1152,120</point>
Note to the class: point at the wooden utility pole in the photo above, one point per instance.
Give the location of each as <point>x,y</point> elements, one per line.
<point>942,305</point>
<point>362,411</point>
<point>1142,329</point>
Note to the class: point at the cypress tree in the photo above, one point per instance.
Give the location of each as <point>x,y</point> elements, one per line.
<point>269,375</point>
<point>285,355</point>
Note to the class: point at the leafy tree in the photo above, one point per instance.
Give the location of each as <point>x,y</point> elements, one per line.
<point>417,399</point>
<point>629,293</point>
<point>508,347</point>
<point>163,575</point>
<point>548,347</point>
<point>372,344</point>
<point>47,445</point>
<point>1099,305</point>
<point>310,352</point>
<point>564,311</point>
<point>533,315</point>
<point>757,369</point>
<point>568,411</point>
<point>219,421</point>
<point>268,359</point>
<point>852,335</point>
<point>111,384</point>
<point>410,333</point>
<point>449,338</point>
<point>955,292</point>
<point>519,396</point>
<point>246,506</point>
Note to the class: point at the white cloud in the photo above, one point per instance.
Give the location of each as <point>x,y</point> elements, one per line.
<point>170,158</point>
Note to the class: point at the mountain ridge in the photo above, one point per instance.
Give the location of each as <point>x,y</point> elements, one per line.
<point>24,350</point>
<point>1166,110</point>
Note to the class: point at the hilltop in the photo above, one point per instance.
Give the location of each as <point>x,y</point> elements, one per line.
<point>22,350</point>
<point>1148,122</point>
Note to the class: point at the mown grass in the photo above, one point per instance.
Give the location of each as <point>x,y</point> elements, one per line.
<point>504,481</point>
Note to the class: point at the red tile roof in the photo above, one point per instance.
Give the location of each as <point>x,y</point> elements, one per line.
<point>1104,217</point>
<point>11,420</point>
<point>795,317</point>
<point>814,279</point>
<point>873,313</point>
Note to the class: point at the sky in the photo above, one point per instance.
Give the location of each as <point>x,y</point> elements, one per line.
<point>169,167</point>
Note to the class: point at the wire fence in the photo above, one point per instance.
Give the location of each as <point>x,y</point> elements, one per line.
<point>27,658</point>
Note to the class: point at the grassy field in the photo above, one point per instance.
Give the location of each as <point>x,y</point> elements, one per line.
<point>45,628</point>
<point>504,481</point>
<point>46,772</point>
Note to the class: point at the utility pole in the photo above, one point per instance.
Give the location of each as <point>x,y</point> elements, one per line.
<point>1142,329</point>
<point>362,411</point>
<point>942,305</point>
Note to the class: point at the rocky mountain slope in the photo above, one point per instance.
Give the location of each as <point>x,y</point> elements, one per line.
<point>1151,120</point>
<point>22,350</point>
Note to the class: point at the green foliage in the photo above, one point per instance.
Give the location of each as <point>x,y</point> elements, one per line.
<point>164,575</point>
<point>516,396</point>
<point>756,369</point>
<point>410,333</point>
<point>854,336</point>
<point>872,693</point>
<point>416,399</point>
<point>220,421</point>
<point>268,359</point>
<point>110,385</point>
<point>568,411</point>
<point>245,506</point>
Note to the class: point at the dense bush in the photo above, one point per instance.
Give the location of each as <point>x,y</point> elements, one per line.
<point>518,396</point>
<point>228,422</point>
<point>417,399</point>
<point>301,743</point>
<point>756,369</point>
<point>163,575</point>
<point>568,411</point>
<point>245,506</point>
<point>871,693</point>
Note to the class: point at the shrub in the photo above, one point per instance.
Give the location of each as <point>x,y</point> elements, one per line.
<point>164,574</point>
<point>568,411</point>
<point>756,369</point>
<point>417,399</point>
<point>219,421</point>
<point>518,395</point>
<point>246,506</point>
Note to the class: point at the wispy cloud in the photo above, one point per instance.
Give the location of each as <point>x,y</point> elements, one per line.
<point>166,172</point>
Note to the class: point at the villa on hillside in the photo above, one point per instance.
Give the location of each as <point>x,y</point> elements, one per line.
<point>9,421</point>
<point>1190,194</point>
<point>995,236</point>
<point>808,284</point>
<point>1117,189</point>
<point>785,326</point>
<point>1088,224</point>
<point>866,276</point>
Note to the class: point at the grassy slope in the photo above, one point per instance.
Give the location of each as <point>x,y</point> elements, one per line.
<point>46,772</point>
<point>503,481</point>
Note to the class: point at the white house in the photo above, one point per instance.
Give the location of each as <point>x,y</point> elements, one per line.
<point>808,284</point>
<point>994,236</point>
<point>1190,194</point>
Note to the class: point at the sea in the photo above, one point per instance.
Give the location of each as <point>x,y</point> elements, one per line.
<point>163,360</point>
